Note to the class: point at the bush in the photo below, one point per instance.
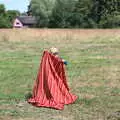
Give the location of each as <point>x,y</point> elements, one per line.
<point>111,21</point>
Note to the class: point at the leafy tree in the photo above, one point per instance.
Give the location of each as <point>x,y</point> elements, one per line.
<point>111,20</point>
<point>62,13</point>
<point>104,11</point>
<point>42,10</point>
<point>81,14</point>
<point>2,9</point>
<point>7,17</point>
<point>12,14</point>
<point>72,14</point>
<point>4,22</point>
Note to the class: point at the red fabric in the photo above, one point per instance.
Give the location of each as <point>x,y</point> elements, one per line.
<point>51,89</point>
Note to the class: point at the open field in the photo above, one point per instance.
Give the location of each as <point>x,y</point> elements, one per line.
<point>93,72</point>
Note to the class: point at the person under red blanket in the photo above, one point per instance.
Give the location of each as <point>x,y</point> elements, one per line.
<point>51,89</point>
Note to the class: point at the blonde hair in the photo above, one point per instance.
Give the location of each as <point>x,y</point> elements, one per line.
<point>54,50</point>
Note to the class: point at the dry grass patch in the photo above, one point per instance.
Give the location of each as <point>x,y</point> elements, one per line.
<point>56,35</point>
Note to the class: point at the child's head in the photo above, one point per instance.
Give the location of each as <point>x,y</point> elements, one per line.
<point>54,51</point>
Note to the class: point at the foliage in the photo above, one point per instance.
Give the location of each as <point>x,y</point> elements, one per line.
<point>81,13</point>
<point>111,20</point>
<point>42,10</point>
<point>4,23</point>
<point>2,9</point>
<point>7,17</point>
<point>76,13</point>
<point>104,13</point>
<point>12,14</point>
<point>62,13</point>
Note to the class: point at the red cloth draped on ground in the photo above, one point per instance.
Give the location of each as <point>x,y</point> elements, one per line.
<point>51,89</point>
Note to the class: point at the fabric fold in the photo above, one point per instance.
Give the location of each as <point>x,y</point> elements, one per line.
<point>51,88</point>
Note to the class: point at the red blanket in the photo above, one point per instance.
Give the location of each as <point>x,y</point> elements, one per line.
<point>51,89</point>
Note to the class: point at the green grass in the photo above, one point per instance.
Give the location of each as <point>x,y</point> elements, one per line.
<point>93,75</point>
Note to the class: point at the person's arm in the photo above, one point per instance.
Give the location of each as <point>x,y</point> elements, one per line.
<point>65,62</point>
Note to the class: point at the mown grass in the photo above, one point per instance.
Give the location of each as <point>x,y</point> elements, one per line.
<point>93,75</point>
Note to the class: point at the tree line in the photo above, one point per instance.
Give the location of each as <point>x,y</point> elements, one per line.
<point>68,14</point>
<point>76,13</point>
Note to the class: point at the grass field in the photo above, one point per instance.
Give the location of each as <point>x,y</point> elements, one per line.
<point>93,72</point>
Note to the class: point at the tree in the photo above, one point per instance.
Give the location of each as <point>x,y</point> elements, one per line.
<point>4,22</point>
<point>104,10</point>
<point>72,14</point>
<point>111,20</point>
<point>7,17</point>
<point>2,9</point>
<point>112,17</point>
<point>12,14</point>
<point>42,10</point>
<point>81,14</point>
<point>62,13</point>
